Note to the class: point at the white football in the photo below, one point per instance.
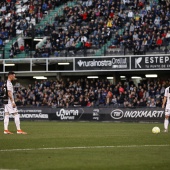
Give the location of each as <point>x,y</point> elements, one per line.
<point>156,129</point>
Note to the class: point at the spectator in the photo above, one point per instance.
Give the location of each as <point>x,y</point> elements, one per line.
<point>109,97</point>
<point>142,103</point>
<point>83,39</point>
<point>89,3</point>
<point>44,7</point>
<point>27,49</point>
<point>159,42</point>
<point>114,100</point>
<point>149,42</point>
<point>22,48</point>
<point>39,16</point>
<point>157,21</point>
<point>1,43</point>
<point>168,36</point>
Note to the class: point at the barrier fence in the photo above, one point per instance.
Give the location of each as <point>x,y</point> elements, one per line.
<point>90,114</point>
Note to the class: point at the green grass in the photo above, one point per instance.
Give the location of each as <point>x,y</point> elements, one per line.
<point>71,146</point>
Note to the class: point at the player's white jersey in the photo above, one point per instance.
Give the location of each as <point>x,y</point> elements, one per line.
<point>167,94</point>
<point>10,88</point>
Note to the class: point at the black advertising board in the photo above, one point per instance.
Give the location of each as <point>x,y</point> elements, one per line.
<point>104,63</point>
<point>72,114</point>
<point>29,113</point>
<point>108,114</point>
<point>150,62</point>
<point>133,115</point>
<point>90,114</point>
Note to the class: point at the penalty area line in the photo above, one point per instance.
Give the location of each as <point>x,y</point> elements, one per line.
<point>83,147</point>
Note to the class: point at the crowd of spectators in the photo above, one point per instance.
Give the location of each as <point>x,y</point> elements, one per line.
<point>89,23</point>
<point>147,26</point>
<point>90,93</point>
<point>17,15</point>
<point>80,27</point>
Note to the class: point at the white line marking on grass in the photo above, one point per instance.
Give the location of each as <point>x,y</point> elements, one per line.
<point>83,147</point>
<point>8,169</point>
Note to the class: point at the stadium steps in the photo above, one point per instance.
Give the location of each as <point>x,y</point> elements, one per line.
<point>8,47</point>
<point>98,53</point>
<point>49,18</point>
<point>21,55</point>
<point>103,49</point>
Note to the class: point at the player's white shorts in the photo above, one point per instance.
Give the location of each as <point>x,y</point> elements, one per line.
<point>10,109</point>
<point>167,112</point>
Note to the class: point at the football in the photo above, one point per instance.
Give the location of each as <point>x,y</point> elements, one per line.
<point>155,130</point>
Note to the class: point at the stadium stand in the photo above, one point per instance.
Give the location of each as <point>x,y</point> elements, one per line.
<point>86,27</point>
<point>16,18</point>
<point>90,93</point>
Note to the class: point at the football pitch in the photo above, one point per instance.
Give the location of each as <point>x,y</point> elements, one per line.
<point>85,146</point>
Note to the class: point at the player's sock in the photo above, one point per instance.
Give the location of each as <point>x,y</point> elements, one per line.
<point>6,122</point>
<point>17,121</point>
<point>166,122</point>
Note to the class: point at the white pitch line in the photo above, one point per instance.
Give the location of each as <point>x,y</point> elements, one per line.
<point>83,147</point>
<point>8,169</point>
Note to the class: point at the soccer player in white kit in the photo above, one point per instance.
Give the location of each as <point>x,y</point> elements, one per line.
<point>11,107</point>
<point>166,101</point>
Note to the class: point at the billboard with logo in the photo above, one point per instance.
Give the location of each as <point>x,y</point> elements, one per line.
<point>27,113</point>
<point>108,114</point>
<point>150,62</point>
<point>137,114</point>
<point>90,114</point>
<point>71,114</point>
<point>104,63</point>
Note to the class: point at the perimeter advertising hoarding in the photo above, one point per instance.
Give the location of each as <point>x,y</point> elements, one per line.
<point>90,114</point>
<point>105,63</point>
<point>150,62</point>
<point>29,113</point>
<point>109,114</point>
